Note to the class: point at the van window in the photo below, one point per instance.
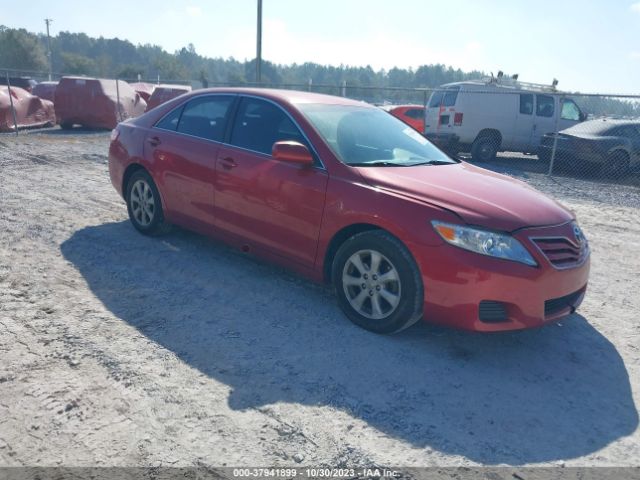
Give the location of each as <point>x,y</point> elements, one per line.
<point>570,110</point>
<point>544,107</point>
<point>444,98</point>
<point>526,103</point>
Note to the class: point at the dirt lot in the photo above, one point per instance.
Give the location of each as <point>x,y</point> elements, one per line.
<point>121,350</point>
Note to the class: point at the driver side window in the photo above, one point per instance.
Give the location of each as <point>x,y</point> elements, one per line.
<point>260,124</point>
<point>570,111</point>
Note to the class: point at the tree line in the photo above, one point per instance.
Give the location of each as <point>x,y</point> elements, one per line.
<point>24,52</point>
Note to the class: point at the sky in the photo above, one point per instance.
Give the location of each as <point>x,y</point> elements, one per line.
<point>589,46</point>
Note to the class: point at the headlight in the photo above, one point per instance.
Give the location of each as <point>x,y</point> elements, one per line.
<point>484,242</point>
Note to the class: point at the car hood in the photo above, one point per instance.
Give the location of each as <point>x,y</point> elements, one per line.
<point>479,196</point>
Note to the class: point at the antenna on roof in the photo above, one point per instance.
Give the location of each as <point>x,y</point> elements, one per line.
<point>554,84</point>
<point>500,73</point>
<point>514,77</point>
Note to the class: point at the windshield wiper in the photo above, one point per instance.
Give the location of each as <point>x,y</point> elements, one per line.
<point>377,163</point>
<point>431,162</point>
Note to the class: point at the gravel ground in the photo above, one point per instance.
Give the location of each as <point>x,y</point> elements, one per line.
<point>122,350</point>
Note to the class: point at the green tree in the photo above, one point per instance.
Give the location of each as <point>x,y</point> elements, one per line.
<point>77,64</point>
<point>21,50</point>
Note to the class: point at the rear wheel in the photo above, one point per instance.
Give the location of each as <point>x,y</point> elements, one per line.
<point>484,148</point>
<point>377,282</point>
<point>144,205</point>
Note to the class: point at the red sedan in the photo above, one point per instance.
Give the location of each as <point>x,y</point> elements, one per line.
<point>342,192</point>
<point>412,115</point>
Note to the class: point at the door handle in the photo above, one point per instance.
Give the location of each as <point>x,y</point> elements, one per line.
<point>154,141</point>
<point>228,163</point>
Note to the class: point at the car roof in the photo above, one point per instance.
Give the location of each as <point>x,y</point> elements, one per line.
<point>294,97</point>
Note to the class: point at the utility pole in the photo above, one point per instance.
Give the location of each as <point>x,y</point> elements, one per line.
<point>259,44</point>
<point>48,21</point>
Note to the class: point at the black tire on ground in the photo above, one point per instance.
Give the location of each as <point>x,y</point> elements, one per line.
<point>544,155</point>
<point>485,148</point>
<point>616,165</point>
<point>144,204</point>
<point>395,280</point>
<point>66,125</point>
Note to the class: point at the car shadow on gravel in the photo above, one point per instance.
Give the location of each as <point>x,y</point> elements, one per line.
<point>559,392</point>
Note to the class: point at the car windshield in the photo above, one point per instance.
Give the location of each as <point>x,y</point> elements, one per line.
<point>365,136</point>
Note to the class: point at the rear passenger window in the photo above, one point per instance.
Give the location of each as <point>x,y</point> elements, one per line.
<point>205,117</point>
<point>545,107</point>
<point>170,121</point>
<point>259,124</point>
<point>526,104</point>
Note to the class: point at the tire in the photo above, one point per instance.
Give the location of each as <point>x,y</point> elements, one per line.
<point>544,155</point>
<point>400,301</point>
<point>484,148</point>
<point>617,165</point>
<point>144,204</point>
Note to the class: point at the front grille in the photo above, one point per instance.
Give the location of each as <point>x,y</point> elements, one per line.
<point>556,305</point>
<point>562,252</point>
<point>492,312</point>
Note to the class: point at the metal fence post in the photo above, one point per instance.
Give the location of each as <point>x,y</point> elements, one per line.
<point>424,102</point>
<point>118,95</point>
<point>13,109</point>
<point>555,138</point>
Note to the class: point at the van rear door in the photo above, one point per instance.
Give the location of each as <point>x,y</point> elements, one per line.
<point>439,115</point>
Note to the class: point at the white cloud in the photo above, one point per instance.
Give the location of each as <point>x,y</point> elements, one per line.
<point>635,7</point>
<point>634,55</point>
<point>193,11</point>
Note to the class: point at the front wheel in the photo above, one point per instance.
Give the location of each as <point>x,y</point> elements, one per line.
<point>377,282</point>
<point>144,204</point>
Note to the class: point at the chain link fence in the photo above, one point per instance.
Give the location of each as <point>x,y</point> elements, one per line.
<point>505,124</point>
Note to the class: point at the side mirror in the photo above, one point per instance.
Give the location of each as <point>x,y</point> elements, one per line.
<point>293,152</point>
<point>583,116</point>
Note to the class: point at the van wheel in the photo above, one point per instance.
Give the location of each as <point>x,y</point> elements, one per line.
<point>484,149</point>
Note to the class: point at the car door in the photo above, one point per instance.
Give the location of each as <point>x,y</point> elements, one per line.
<point>544,119</point>
<point>570,114</point>
<point>183,148</point>
<point>269,203</point>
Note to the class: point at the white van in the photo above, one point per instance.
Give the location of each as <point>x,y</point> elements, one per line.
<point>488,116</point>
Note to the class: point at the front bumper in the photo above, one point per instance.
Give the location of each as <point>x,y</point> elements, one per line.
<point>457,282</point>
